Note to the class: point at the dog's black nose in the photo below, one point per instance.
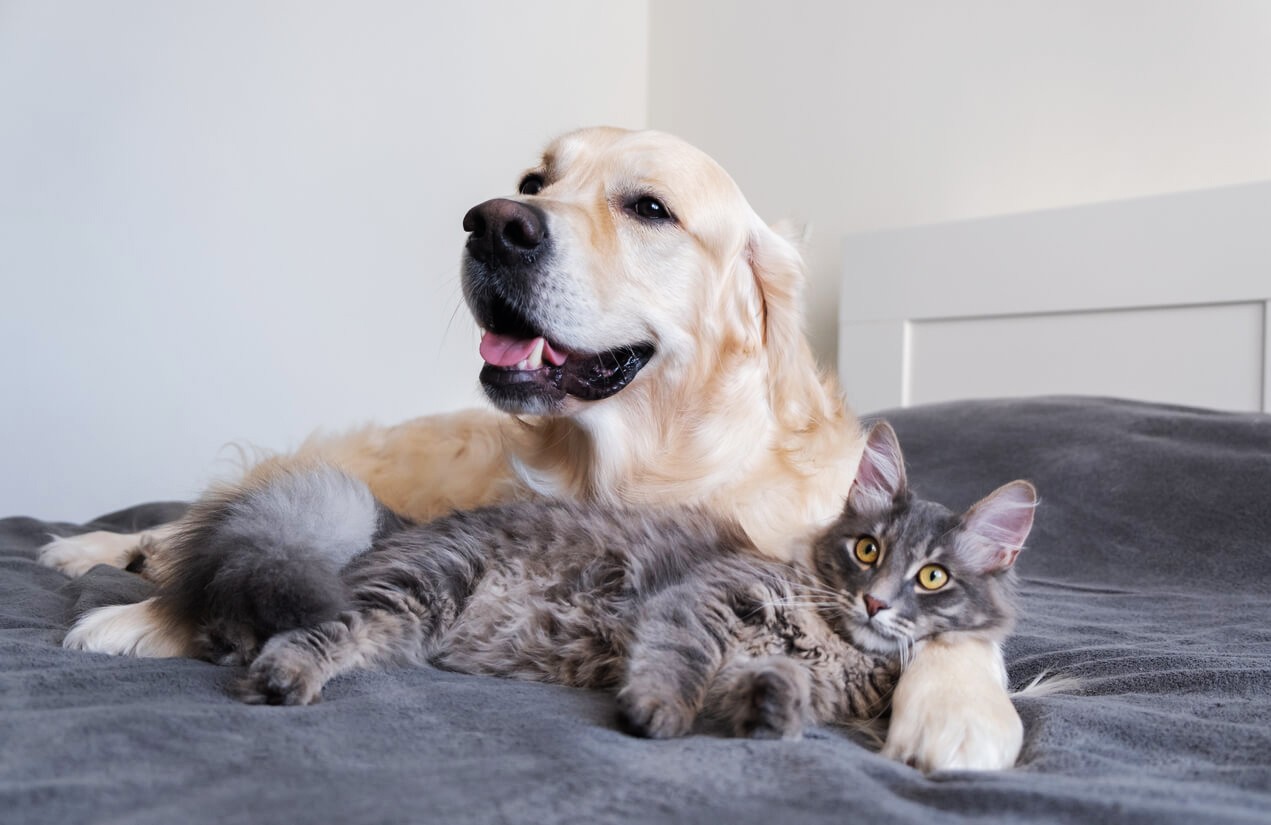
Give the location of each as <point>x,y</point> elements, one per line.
<point>504,231</point>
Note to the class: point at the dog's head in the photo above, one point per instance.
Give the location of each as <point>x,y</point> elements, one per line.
<point>625,259</point>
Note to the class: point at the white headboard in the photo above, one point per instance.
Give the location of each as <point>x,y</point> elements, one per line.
<point>1162,299</point>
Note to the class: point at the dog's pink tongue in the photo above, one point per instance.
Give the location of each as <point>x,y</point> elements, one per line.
<point>551,356</point>
<point>502,351</point>
<point>505,351</point>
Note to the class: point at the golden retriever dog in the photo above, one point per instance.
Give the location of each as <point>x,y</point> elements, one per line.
<point>642,333</point>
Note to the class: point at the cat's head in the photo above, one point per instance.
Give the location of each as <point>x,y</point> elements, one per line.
<point>907,569</point>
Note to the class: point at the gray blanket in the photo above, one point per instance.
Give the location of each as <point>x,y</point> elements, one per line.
<point>1148,575</point>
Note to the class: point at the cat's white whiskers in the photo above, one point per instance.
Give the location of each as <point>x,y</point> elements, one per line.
<point>905,649</point>
<point>821,591</point>
<point>789,603</point>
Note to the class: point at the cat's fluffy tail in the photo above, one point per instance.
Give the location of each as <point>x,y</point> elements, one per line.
<point>266,557</point>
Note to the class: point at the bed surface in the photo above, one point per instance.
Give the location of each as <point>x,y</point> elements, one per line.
<point>1148,575</point>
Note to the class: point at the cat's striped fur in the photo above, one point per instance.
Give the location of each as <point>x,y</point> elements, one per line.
<point>674,609</point>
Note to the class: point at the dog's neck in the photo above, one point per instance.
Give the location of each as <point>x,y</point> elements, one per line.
<point>781,468</point>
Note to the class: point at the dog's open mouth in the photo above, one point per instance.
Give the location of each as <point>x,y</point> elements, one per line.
<point>526,372</point>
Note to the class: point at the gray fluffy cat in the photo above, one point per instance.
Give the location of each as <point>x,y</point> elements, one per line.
<point>306,576</point>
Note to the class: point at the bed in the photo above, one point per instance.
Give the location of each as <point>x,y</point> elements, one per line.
<point>1148,577</point>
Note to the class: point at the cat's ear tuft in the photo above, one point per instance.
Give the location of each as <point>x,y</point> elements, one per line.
<point>995,528</point>
<point>880,477</point>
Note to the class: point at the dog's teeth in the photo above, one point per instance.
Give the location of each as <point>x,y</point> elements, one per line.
<point>523,365</point>
<point>536,355</point>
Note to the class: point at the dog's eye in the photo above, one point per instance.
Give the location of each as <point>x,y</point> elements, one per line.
<point>651,209</point>
<point>531,185</point>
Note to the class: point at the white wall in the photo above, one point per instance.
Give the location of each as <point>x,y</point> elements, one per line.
<point>856,115</point>
<point>241,221</point>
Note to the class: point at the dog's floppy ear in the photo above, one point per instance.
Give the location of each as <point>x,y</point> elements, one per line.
<point>779,276</point>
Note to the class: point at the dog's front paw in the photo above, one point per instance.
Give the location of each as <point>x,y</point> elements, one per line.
<point>979,735</point>
<point>654,716</point>
<point>76,555</point>
<point>951,712</point>
<point>281,676</point>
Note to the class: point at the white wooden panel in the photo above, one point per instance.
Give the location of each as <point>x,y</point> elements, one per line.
<point>1065,288</point>
<point>872,364</point>
<point>1266,357</point>
<point>1210,246</point>
<point>1210,356</point>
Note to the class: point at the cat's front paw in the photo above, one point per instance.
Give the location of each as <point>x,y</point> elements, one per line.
<point>950,711</point>
<point>654,716</point>
<point>776,701</point>
<point>281,675</point>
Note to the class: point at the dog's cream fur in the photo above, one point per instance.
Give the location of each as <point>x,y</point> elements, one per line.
<point>732,412</point>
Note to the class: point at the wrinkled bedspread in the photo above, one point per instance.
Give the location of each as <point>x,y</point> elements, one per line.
<point>1148,575</point>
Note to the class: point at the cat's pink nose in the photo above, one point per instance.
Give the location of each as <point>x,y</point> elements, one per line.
<point>873,605</point>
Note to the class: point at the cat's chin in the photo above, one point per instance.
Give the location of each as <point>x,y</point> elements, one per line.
<point>869,639</point>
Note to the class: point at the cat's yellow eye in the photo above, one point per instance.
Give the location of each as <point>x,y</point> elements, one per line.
<point>866,550</point>
<point>932,577</point>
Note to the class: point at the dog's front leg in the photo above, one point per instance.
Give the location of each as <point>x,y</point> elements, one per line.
<point>76,555</point>
<point>951,710</point>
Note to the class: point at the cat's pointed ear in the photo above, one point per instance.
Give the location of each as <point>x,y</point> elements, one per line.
<point>995,528</point>
<point>880,477</point>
